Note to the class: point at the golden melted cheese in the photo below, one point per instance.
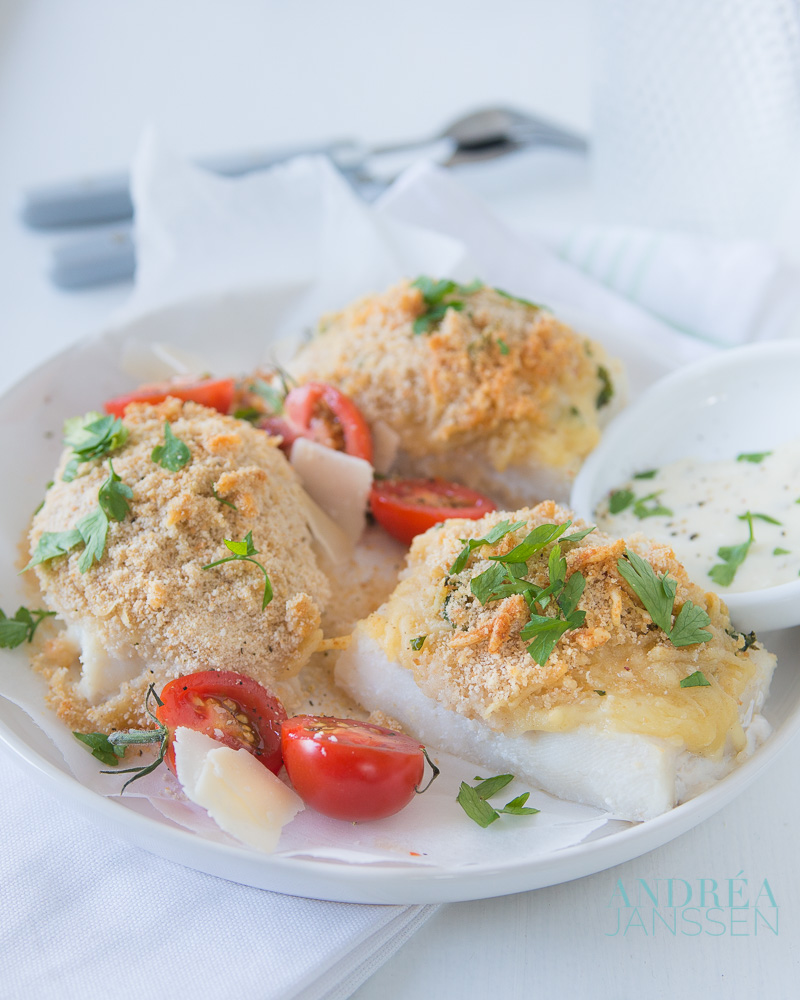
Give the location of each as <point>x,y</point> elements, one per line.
<point>473,660</point>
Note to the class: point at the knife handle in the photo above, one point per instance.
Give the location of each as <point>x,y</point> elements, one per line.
<point>107,199</point>
<point>96,259</point>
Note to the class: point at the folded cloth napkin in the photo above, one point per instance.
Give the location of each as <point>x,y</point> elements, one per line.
<point>82,911</point>
<point>84,914</point>
<point>727,292</point>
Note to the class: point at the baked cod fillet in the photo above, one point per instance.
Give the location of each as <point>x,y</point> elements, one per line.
<point>479,387</point>
<point>538,657</point>
<point>152,606</point>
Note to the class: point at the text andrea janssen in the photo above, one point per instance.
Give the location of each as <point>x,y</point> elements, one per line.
<point>736,907</point>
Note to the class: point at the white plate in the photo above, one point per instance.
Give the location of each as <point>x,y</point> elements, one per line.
<point>228,334</point>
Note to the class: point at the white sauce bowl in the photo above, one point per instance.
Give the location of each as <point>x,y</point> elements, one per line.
<point>741,400</point>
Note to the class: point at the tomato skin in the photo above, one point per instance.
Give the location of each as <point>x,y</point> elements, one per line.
<point>407,507</point>
<point>195,701</point>
<point>321,412</point>
<point>351,770</point>
<point>217,394</point>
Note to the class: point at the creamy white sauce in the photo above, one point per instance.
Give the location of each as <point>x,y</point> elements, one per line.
<point>706,500</point>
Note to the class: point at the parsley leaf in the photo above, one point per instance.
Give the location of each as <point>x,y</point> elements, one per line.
<point>475,807</point>
<point>752,456</point>
<point>419,642</point>
<point>54,543</point>
<point>657,594</point>
<point>606,393</point>
<point>732,556</point>
<point>534,542</point>
<point>114,496</point>
<point>173,454</point>
<point>109,749</point>
<point>244,551</point>
<point>655,508</point>
<point>646,474</point>
<point>91,436</point>
<point>94,531</point>
<point>228,503</point>
<point>21,628</point>
<point>761,517</point>
<point>778,551</point>
<point>437,297</point>
<point>697,679</point>
<point>516,298</point>
<point>619,500</point>
<point>91,530</point>
<point>499,531</point>
<point>473,800</point>
<point>502,346</point>
<point>689,626</point>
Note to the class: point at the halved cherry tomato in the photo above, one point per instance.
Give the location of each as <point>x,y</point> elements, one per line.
<point>230,708</point>
<point>351,770</point>
<point>216,393</point>
<point>407,507</point>
<point>320,412</point>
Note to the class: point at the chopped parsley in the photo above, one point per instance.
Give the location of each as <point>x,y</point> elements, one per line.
<point>657,594</point>
<point>732,556</point>
<point>110,749</point>
<point>472,800</point>
<point>91,436</point>
<point>620,500</point>
<point>650,506</point>
<point>778,551</point>
<point>516,298</point>
<point>174,454</point>
<point>502,346</point>
<point>752,456</point>
<point>507,576</point>
<point>244,551</point>
<point>606,393</point>
<point>419,642</point>
<point>499,531</point>
<point>21,628</point>
<point>91,531</point>
<point>695,680</point>
<point>646,474</point>
<point>228,503</point>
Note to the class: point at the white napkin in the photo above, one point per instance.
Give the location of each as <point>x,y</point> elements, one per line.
<point>84,914</point>
<point>84,910</point>
<point>727,292</point>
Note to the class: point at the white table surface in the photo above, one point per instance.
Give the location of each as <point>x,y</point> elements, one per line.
<point>80,78</point>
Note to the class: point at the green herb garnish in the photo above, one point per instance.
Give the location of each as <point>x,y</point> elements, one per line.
<point>650,506</point>
<point>473,800</point>
<point>227,503</point>
<point>110,749</point>
<point>438,297</point>
<point>499,531</point>
<point>419,642</point>
<point>619,500</point>
<point>91,436</point>
<point>778,551</point>
<point>761,517</point>
<point>516,298</point>
<point>752,456</point>
<point>91,531</point>
<point>173,454</point>
<point>657,594</point>
<point>697,679</point>
<point>21,628</point>
<point>243,552</point>
<point>647,474</point>
<point>606,393</point>
<point>732,556</point>
<point>502,346</point>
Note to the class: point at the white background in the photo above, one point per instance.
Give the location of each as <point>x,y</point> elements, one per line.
<point>78,81</point>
